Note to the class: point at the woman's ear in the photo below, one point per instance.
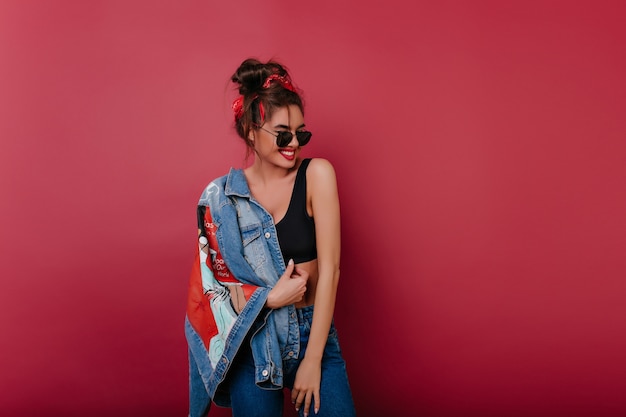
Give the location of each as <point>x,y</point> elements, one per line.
<point>251,136</point>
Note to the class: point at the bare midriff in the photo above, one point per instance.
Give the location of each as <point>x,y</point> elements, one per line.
<point>311,285</point>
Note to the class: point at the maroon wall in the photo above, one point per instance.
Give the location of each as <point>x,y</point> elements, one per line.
<point>480,152</point>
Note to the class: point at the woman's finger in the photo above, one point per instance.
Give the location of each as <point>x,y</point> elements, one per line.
<point>307,403</point>
<point>299,399</point>
<point>316,399</point>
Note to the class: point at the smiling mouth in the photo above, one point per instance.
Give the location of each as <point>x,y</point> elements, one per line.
<point>287,153</point>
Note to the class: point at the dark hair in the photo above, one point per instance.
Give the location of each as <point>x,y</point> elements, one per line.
<point>249,78</point>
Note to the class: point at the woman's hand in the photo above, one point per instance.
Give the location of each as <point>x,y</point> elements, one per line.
<point>290,288</point>
<point>307,385</point>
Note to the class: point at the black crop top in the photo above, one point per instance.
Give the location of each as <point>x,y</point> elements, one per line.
<point>296,231</point>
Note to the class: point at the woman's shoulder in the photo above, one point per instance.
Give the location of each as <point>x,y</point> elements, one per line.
<point>215,188</point>
<point>320,170</point>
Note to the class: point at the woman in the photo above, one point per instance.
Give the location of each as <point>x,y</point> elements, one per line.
<point>269,245</point>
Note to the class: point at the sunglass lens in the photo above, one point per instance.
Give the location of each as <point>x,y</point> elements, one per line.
<point>283,138</point>
<point>303,137</point>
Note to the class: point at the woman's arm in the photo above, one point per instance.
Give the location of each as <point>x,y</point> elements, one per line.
<point>325,206</point>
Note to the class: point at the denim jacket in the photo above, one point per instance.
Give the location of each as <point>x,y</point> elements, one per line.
<point>238,262</point>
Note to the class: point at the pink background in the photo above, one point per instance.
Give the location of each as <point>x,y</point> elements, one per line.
<point>480,152</point>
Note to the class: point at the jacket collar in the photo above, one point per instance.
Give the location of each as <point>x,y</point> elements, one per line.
<point>236,184</point>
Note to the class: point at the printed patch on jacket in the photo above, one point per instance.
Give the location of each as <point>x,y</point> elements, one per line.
<point>216,297</point>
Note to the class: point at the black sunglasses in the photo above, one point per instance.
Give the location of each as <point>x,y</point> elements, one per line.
<point>283,137</point>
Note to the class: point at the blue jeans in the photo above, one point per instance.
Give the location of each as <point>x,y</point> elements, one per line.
<point>248,400</point>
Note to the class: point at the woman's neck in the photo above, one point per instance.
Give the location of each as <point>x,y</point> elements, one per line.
<point>265,173</point>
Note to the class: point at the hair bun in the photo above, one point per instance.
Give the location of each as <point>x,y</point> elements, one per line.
<point>252,73</point>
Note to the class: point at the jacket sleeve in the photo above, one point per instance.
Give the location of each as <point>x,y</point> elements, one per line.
<point>215,297</point>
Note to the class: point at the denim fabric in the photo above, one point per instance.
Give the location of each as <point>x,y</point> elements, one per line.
<point>248,243</point>
<point>249,400</point>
